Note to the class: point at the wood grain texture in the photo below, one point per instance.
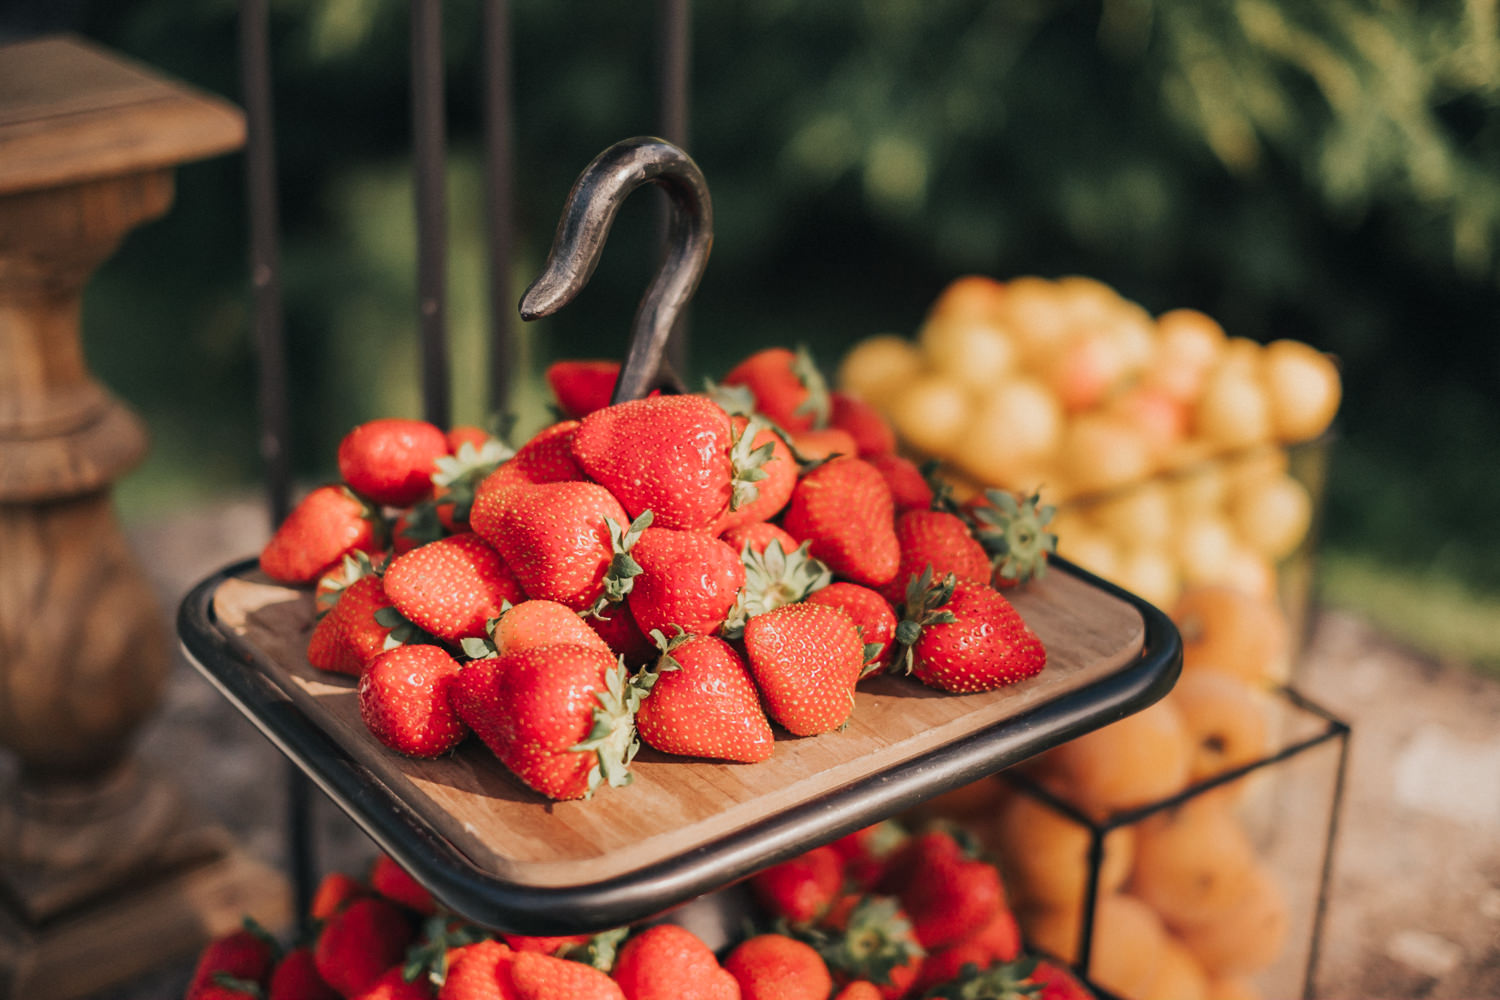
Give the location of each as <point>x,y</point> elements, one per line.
<point>71,111</point>
<point>675,803</point>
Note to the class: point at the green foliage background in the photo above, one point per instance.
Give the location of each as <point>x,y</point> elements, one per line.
<point>1326,171</point>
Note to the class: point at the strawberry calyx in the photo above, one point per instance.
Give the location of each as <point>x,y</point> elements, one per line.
<point>1014,532</point>
<point>819,402</point>
<point>403,631</point>
<point>599,950</point>
<point>1004,981</point>
<point>248,987</point>
<point>484,647</point>
<point>923,607</point>
<point>619,579</point>
<point>735,400</point>
<point>747,463</point>
<point>876,939</point>
<point>332,584</point>
<point>612,740</point>
<point>774,578</point>
<point>428,957</point>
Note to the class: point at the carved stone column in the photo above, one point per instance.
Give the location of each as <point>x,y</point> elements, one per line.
<point>103,870</point>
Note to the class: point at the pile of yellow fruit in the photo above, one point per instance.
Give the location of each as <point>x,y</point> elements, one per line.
<point>1161,439</point>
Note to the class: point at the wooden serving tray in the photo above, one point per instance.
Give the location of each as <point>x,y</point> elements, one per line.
<point>683,826</point>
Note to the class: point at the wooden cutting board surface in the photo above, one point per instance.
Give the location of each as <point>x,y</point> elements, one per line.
<point>674,804</point>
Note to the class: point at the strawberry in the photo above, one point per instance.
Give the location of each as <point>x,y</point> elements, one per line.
<point>467,434</point>
<point>936,540</point>
<point>1003,981</point>
<point>1014,531</point>
<point>821,445</point>
<point>392,984</point>
<point>965,637</point>
<point>844,509</point>
<point>555,945</point>
<point>582,386</point>
<point>1057,983</point>
<point>687,579</point>
<point>774,577</point>
<point>805,659</point>
<point>360,942</point>
<point>455,481</point>
<point>617,627</point>
<point>667,962</point>
<point>546,458</point>
<point>541,977</point>
<point>452,587</point>
<point>559,539</point>
<point>233,961</point>
<point>334,892</point>
<point>910,490</point>
<point>777,967</point>
<point>872,615</point>
<point>703,703</point>
<point>560,717</point>
<point>390,461</point>
<point>787,385</point>
<point>540,623</point>
<point>327,650</point>
<point>868,937</point>
<point>871,432</point>
<point>479,971</point>
<point>756,536</point>
<point>368,621</point>
<point>948,895</point>
<point>396,884</point>
<point>340,577</point>
<point>666,454</point>
<point>321,529</point>
<point>759,447</point>
<point>997,941</point>
<point>800,889</point>
<point>858,989</point>
<point>866,852</point>
<point>296,978</point>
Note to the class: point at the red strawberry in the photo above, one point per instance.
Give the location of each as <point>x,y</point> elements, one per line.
<point>360,942</point>
<point>1003,981</point>
<point>479,971</point>
<point>787,386</point>
<point>948,897</point>
<point>703,703</point>
<point>667,962</point>
<point>546,458</point>
<point>859,989</point>
<point>244,955</point>
<point>821,445</point>
<point>396,884</point>
<point>390,461</point>
<point>392,984</point>
<point>801,889</point>
<point>1014,530</point>
<point>542,623</point>
<point>1057,983</point>
<point>555,945</point>
<point>327,650</point>
<point>937,540</point>
<point>872,615</point>
<point>404,700</point>
<point>467,434</point>
<point>555,537</point>
<point>688,579</point>
<point>332,584</point>
<point>325,525</point>
<point>965,637</point>
<point>866,852</point>
<point>296,978</point>
<point>757,536</point>
<point>995,942</point>
<point>871,432</point>
<point>774,577</point>
<point>561,718</point>
<point>844,509</point>
<point>914,854</point>
<point>333,893</point>
<point>617,627</point>
<point>365,622</point>
<point>777,967</point>
<point>910,490</point>
<point>542,977</point>
<point>581,387</point>
<point>665,454</point>
<point>872,940</point>
<point>806,659</point>
<point>759,447</point>
<point>452,587</point>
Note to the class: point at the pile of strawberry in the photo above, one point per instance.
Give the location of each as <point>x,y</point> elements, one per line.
<point>877,915</point>
<point>684,570</point>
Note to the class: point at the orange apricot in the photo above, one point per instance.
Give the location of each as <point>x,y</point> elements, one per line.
<point>1138,760</point>
<point>1228,630</point>
<point>1179,976</point>
<point>1127,945</point>
<point>876,366</point>
<point>1227,718</point>
<point>974,297</point>
<point>1249,935</point>
<point>1231,988</point>
<point>1193,862</point>
<point>1044,854</point>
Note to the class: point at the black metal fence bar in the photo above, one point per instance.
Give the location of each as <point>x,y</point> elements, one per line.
<point>499,161</point>
<point>429,132</point>
<point>674,64</point>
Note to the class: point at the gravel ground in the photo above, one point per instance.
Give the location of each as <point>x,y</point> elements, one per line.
<point>1414,908</point>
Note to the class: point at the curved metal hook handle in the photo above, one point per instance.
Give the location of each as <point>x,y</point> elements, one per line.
<point>587,216</point>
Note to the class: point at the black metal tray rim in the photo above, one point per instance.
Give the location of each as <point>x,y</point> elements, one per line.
<point>487,900</point>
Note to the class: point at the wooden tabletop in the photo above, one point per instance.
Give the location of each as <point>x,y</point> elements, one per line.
<point>71,111</point>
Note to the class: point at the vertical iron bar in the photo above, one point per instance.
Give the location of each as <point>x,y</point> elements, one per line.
<point>428,140</point>
<point>1325,876</point>
<point>673,45</point>
<point>500,198</point>
<point>268,329</point>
